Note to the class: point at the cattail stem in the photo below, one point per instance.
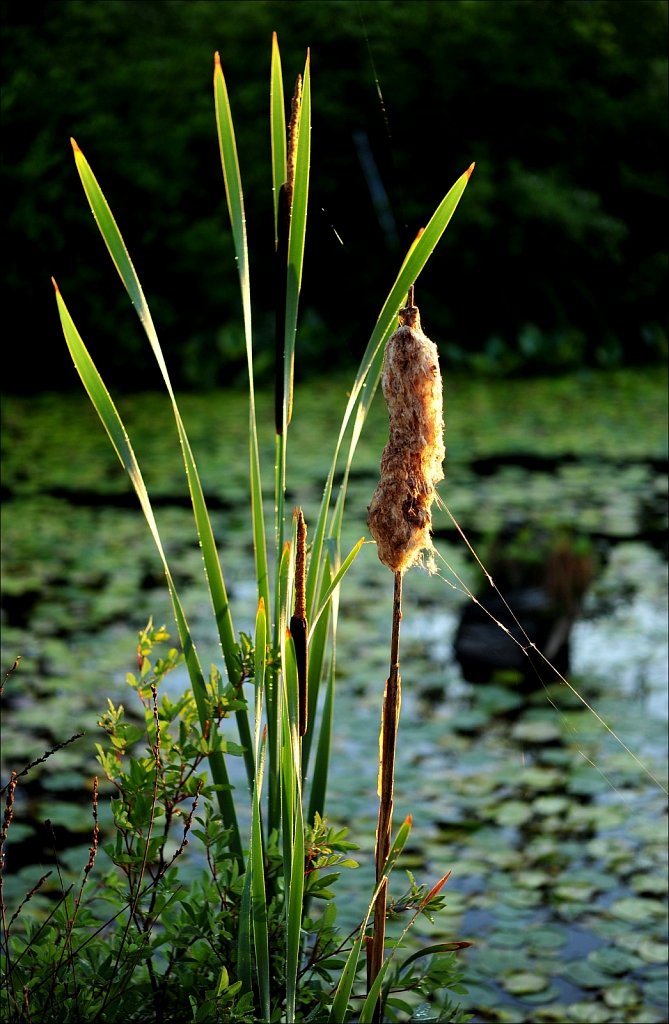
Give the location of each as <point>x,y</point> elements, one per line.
<point>400,522</point>
<point>387,745</point>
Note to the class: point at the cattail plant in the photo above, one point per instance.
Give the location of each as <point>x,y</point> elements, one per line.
<point>411,465</point>
<point>288,732</point>
<point>400,520</point>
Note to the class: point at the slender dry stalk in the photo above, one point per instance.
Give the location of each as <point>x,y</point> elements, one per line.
<point>390,715</point>
<point>9,673</point>
<point>400,520</point>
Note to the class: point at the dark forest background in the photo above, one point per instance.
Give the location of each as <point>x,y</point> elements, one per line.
<point>555,259</point>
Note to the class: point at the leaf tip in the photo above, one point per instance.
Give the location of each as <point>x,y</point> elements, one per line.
<point>75,147</point>
<point>436,889</point>
<point>470,169</point>
<point>261,604</point>
<point>55,286</point>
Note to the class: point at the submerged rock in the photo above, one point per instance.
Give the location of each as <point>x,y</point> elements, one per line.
<point>536,595</point>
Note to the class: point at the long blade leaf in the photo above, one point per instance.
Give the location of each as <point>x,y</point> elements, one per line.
<point>277,128</point>
<point>235,200</point>
<point>221,605</point>
<point>106,410</point>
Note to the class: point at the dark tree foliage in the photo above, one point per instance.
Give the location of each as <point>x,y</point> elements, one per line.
<point>556,256</point>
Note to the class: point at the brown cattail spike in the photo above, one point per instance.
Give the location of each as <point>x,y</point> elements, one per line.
<point>281,381</point>
<point>293,135</point>
<point>298,622</point>
<point>411,465</point>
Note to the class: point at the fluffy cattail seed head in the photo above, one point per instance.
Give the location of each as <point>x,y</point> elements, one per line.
<point>399,515</point>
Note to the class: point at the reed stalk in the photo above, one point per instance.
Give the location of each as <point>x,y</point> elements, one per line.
<point>390,717</point>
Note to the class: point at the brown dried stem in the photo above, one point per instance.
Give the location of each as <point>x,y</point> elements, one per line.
<point>392,700</point>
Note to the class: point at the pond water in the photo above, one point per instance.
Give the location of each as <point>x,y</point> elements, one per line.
<point>555,834</point>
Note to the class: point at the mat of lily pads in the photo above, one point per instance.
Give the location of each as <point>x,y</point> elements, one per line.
<point>556,837</point>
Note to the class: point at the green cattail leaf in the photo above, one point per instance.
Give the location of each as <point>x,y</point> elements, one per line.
<point>291,217</point>
<point>320,774</point>
<point>340,1012</point>
<point>106,410</point>
<point>294,823</point>
<point>294,919</point>
<point>339,575</point>
<point>317,651</point>
<point>218,593</point>
<point>245,929</point>
<point>296,237</point>
<point>117,248</point>
<point>258,893</point>
<point>277,129</point>
<point>259,668</point>
<point>369,1005</point>
<point>235,199</point>
<point>233,181</point>
<point>289,662</point>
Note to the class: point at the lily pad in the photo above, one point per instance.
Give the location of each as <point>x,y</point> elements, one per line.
<point>585,974</point>
<point>540,778</point>
<point>653,952</point>
<point>555,1014</point>
<point>549,805</point>
<point>533,879</point>
<point>577,891</point>
<point>505,939</point>
<point>513,812</point>
<point>637,909</point>
<point>498,962</point>
<point>649,884</point>
<point>613,961</point>
<point>652,831</point>
<point>622,994</point>
<point>525,982</point>
<point>541,730</point>
<point>522,898</point>
<point>546,940</point>
<point>656,992</point>
<point>589,1013</point>
<point>469,720</point>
